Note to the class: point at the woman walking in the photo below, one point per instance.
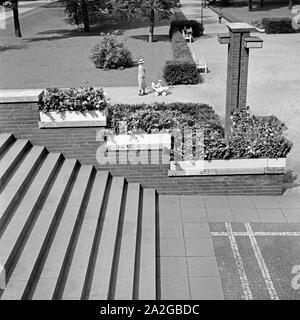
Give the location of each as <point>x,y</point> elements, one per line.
<point>142,78</point>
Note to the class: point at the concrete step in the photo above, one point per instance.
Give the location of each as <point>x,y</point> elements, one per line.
<point>70,232</point>
<point>24,274</point>
<point>48,285</point>
<point>104,265</point>
<point>13,237</point>
<point>12,157</point>
<point>147,252</point>
<point>10,196</point>
<point>74,288</point>
<point>125,275</point>
<point>6,139</point>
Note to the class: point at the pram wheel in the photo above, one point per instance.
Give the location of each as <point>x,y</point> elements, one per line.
<point>156,94</point>
<point>164,93</point>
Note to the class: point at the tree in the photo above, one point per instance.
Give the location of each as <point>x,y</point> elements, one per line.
<point>250,5</point>
<point>81,11</point>
<point>146,8</point>
<point>15,9</point>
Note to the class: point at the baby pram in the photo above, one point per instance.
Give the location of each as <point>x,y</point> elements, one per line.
<point>159,88</point>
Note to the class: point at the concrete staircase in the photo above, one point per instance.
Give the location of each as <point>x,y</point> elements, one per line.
<point>68,231</point>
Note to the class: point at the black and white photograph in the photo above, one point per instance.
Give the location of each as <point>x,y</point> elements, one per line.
<point>149,154</point>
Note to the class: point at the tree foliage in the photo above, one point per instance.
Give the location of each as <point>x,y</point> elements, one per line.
<point>151,9</point>
<point>82,11</point>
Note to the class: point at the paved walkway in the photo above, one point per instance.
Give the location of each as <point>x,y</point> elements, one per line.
<point>229,247</point>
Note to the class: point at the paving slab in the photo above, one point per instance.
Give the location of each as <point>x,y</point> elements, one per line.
<point>202,267</point>
<point>172,247</point>
<point>194,215</point>
<point>196,230</point>
<point>265,202</point>
<point>173,266</point>
<point>206,288</point>
<point>170,230</point>
<point>292,215</point>
<point>169,209</point>
<point>198,247</point>
<point>217,214</point>
<point>271,215</point>
<point>289,202</point>
<point>240,202</point>
<point>245,215</point>
<point>216,202</point>
<point>174,288</point>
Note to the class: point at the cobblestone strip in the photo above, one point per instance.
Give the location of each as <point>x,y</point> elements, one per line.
<point>239,263</point>
<point>258,233</point>
<point>261,263</point>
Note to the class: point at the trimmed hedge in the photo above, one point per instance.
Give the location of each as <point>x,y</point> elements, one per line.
<point>180,47</point>
<point>183,69</point>
<point>181,72</point>
<point>278,25</point>
<point>178,25</point>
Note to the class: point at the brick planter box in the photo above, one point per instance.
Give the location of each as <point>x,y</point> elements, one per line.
<point>19,114</point>
<point>228,167</point>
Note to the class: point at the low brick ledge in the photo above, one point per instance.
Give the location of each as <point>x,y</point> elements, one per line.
<point>20,95</point>
<point>221,172</point>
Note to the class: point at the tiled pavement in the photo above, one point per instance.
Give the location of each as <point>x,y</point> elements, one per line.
<point>199,260</point>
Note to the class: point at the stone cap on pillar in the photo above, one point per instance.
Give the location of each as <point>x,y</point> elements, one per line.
<point>224,38</point>
<point>240,27</point>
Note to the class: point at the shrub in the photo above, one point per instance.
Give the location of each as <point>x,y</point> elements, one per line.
<point>161,116</point>
<point>251,137</point>
<point>73,99</point>
<point>178,25</point>
<point>180,47</point>
<point>181,72</point>
<point>111,54</point>
<point>224,3</point>
<point>183,69</point>
<point>278,25</point>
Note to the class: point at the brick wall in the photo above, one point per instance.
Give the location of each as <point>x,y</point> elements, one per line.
<point>21,119</point>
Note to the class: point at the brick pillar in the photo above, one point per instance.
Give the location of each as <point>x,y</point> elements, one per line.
<point>237,70</point>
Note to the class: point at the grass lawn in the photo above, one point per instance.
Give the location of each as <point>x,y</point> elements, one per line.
<point>54,53</point>
<point>238,11</point>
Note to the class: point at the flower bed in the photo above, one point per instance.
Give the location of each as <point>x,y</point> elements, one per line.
<point>161,116</point>
<point>255,146</point>
<point>251,137</point>
<point>80,107</point>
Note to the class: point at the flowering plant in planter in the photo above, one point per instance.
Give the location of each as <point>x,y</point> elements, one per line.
<point>251,137</point>
<point>73,99</point>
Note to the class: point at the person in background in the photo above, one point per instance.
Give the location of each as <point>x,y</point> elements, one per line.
<point>220,16</point>
<point>142,78</point>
